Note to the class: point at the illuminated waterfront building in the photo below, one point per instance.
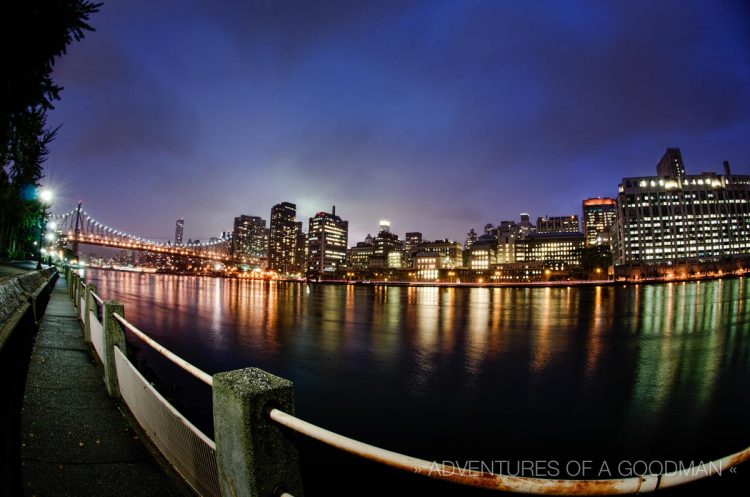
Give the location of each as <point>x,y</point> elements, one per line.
<point>558,224</point>
<point>471,237</point>
<point>326,242</point>
<point>300,249</point>
<point>525,227</point>
<point>558,251</point>
<point>483,252</point>
<point>411,240</point>
<point>599,216</point>
<point>282,238</point>
<point>178,231</point>
<point>249,239</point>
<point>675,217</point>
<point>386,241</point>
<point>451,253</point>
<point>428,265</point>
<point>358,257</point>
<point>396,259</point>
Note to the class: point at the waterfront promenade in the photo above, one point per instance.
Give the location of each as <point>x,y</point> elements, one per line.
<point>75,441</point>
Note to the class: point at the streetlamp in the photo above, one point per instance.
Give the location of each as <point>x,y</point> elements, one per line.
<point>45,196</point>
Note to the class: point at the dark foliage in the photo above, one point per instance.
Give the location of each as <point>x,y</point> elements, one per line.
<point>33,33</point>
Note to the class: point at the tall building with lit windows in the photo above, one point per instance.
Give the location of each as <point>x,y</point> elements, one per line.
<point>178,231</point>
<point>558,224</point>
<point>249,239</point>
<point>327,238</point>
<point>674,217</point>
<point>282,238</point>
<point>558,251</point>
<point>599,215</point>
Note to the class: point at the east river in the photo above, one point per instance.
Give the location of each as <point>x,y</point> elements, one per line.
<point>558,376</point>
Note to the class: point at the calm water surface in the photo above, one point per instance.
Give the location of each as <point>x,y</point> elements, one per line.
<point>655,372</point>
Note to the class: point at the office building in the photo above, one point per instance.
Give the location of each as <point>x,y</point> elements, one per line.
<point>558,224</point>
<point>282,239</point>
<point>450,253</point>
<point>558,251</point>
<point>483,252</point>
<point>300,249</point>
<point>179,231</point>
<point>411,240</point>
<point>599,216</point>
<point>671,165</point>
<point>385,241</point>
<point>358,257</point>
<point>327,238</point>
<point>674,217</point>
<point>249,239</point>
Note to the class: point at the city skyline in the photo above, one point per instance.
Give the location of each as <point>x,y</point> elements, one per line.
<point>439,118</point>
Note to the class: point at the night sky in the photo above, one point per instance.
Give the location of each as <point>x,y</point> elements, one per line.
<point>439,116</point>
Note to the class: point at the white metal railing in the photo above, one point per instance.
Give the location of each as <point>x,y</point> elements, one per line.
<point>97,334</point>
<point>505,483</point>
<point>188,449</point>
<point>97,298</point>
<point>179,361</point>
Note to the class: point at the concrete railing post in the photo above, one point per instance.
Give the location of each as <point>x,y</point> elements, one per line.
<point>255,457</point>
<point>114,335</point>
<point>89,305</point>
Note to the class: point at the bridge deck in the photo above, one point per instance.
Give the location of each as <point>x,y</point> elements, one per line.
<point>74,440</point>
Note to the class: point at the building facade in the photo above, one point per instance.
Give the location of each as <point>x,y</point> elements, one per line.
<point>249,239</point>
<point>558,224</point>
<point>327,239</point>
<point>451,253</point>
<point>599,216</point>
<point>675,217</point>
<point>558,251</point>
<point>282,239</point>
<point>179,231</point>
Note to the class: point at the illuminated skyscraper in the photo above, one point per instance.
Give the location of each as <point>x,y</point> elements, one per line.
<point>249,239</point>
<point>671,165</point>
<point>679,218</point>
<point>178,231</point>
<point>599,215</point>
<point>283,238</point>
<point>327,240</point>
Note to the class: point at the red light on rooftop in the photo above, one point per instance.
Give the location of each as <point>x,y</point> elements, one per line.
<point>599,201</point>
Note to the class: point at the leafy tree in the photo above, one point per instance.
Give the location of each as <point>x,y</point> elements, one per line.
<point>33,33</point>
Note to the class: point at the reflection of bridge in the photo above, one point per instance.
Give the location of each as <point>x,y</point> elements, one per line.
<point>78,227</point>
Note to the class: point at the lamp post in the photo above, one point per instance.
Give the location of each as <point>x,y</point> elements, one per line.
<point>45,196</point>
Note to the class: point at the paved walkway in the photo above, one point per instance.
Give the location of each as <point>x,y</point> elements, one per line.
<point>74,439</point>
<point>10,269</point>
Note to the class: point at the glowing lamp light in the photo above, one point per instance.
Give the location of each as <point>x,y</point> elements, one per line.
<point>45,196</point>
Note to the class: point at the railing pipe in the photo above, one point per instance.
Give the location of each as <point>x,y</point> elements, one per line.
<point>97,297</point>
<point>89,305</point>
<point>179,361</point>
<point>492,481</point>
